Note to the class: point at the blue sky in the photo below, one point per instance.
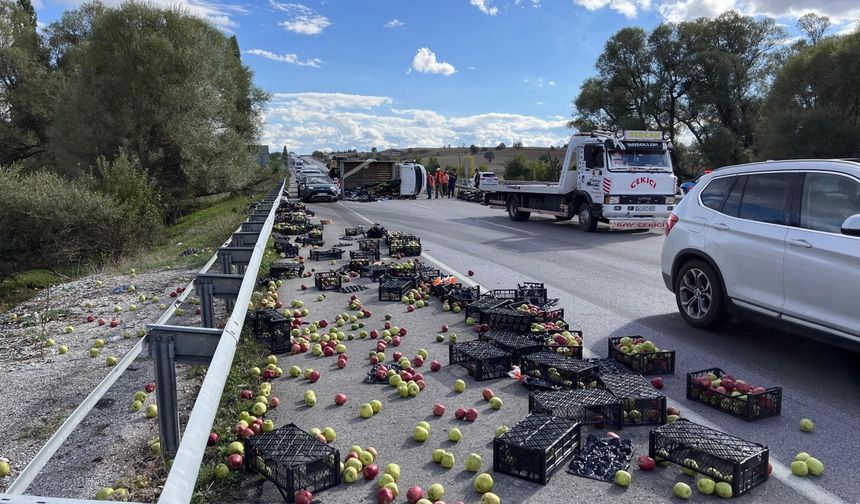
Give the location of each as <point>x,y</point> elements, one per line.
<point>398,73</point>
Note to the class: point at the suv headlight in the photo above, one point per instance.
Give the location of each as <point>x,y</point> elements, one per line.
<point>670,200</point>
<point>611,200</point>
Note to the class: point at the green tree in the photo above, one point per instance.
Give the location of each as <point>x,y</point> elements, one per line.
<point>432,164</point>
<point>489,156</point>
<point>518,168</point>
<point>473,149</point>
<point>813,26</point>
<point>318,154</point>
<point>813,108</point>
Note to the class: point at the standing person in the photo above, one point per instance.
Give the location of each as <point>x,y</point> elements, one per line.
<point>444,184</point>
<point>452,183</point>
<point>477,180</point>
<point>439,174</point>
<point>430,181</point>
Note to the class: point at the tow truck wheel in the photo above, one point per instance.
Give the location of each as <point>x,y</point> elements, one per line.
<point>587,222</point>
<point>514,210</point>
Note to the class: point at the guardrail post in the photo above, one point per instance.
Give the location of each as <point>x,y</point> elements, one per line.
<point>244,239</point>
<point>204,292</point>
<point>162,351</point>
<point>252,227</point>
<point>234,256</point>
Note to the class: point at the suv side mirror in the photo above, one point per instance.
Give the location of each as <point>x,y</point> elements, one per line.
<point>851,226</point>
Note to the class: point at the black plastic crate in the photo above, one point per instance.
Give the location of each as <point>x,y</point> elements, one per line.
<point>609,366</point>
<point>428,273</point>
<point>535,447</point>
<point>283,246</point>
<point>506,294</point>
<point>376,231</point>
<point>358,264</point>
<point>485,303</point>
<point>546,313</point>
<point>517,344</point>
<point>718,455</point>
<point>749,406</point>
<point>371,375</point>
<point>290,228</point>
<point>374,271</point>
<point>483,360</point>
<point>393,289</point>
<point>504,318</point>
<point>643,404</point>
<point>534,292</point>
<point>311,240</point>
<point>286,268</point>
<point>326,255</point>
<point>561,346</point>
<point>368,244</point>
<point>405,247</point>
<point>293,460</point>
<point>463,295</point>
<point>328,280</point>
<point>587,406</point>
<point>371,255</point>
<point>403,270</point>
<point>398,235</point>
<point>354,231</point>
<point>646,363</point>
<point>570,373</point>
<point>271,328</point>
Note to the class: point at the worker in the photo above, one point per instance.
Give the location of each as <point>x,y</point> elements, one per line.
<point>444,184</point>
<point>439,180</point>
<point>431,180</point>
<point>452,183</point>
<point>477,180</point>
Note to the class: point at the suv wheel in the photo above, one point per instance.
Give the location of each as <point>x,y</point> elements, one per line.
<point>699,295</point>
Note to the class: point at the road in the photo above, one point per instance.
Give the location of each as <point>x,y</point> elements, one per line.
<point>609,284</point>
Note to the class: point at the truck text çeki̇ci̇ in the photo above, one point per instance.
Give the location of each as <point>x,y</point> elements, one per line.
<point>624,179</point>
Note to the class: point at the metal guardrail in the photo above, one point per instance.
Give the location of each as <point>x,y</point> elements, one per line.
<point>192,344</point>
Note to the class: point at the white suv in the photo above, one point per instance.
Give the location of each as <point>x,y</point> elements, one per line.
<point>779,238</point>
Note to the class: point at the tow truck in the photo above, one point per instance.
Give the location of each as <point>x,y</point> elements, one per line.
<point>623,178</point>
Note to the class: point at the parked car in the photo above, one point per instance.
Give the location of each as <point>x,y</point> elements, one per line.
<point>779,239</point>
<point>484,178</point>
<point>317,188</point>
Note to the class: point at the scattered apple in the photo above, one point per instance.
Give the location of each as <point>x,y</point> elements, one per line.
<point>438,409</point>
<point>455,435</point>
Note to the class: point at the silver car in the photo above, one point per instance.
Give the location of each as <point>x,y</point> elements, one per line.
<point>779,238</point>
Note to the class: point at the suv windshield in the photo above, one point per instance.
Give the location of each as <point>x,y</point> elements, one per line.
<point>636,160</point>
<point>316,180</point>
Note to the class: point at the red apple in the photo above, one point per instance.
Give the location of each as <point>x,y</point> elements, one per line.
<point>598,421</point>
<point>295,348</point>
<point>213,438</point>
<point>247,394</point>
<point>613,435</point>
<point>351,455</point>
<point>370,471</point>
<point>460,413</point>
<point>471,273</point>
<point>90,318</point>
<point>418,361</point>
<point>406,376</point>
<point>304,287</point>
<point>256,427</point>
<point>340,399</point>
<point>102,321</point>
<point>438,409</point>
<point>247,432</point>
<point>114,322</point>
<point>197,311</point>
<point>417,377</point>
<point>420,384</point>
<point>435,365</point>
<point>471,414</point>
<point>387,325</point>
<point>395,341</point>
<point>374,359</point>
<point>304,497</point>
<point>374,334</point>
<point>402,331</point>
<point>180,290</point>
<point>367,313</point>
<point>657,383</point>
<point>384,496</point>
<point>304,347</point>
<point>235,461</point>
<point>341,363</point>
<point>671,410</point>
<point>769,468</point>
<point>488,394</point>
<point>381,346</point>
<point>414,494</point>
<point>445,328</point>
<point>397,355</point>
<point>410,308</point>
<point>646,463</point>
<point>315,375</point>
<point>268,374</point>
<point>328,351</point>
<point>274,402</point>
<point>149,387</point>
<point>173,294</point>
<point>323,323</point>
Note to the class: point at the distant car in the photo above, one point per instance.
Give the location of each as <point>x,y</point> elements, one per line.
<point>317,188</point>
<point>780,239</point>
<point>485,178</point>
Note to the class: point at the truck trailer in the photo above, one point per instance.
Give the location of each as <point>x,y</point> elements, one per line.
<point>625,179</point>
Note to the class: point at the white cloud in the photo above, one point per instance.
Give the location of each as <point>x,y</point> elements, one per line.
<point>551,83</point>
<point>484,6</point>
<point>310,121</point>
<point>217,13</point>
<point>302,19</point>
<point>425,62</point>
<point>286,58</point>
<point>627,8</point>
<point>840,11</point>
<point>539,82</point>
<point>525,3</point>
<point>395,23</point>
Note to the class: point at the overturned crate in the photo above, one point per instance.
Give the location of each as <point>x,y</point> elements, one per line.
<point>286,268</point>
<point>756,403</point>
<point>326,255</point>
<point>519,345</point>
<point>354,231</point>
<point>374,271</point>
<point>293,460</point>
<point>370,255</point>
<point>462,295</point>
<point>270,328</point>
<point>283,246</point>
<point>368,244</point>
<point>316,241</point>
<point>393,289</point>
<point>570,373</point>
<point>481,359</point>
<point>328,280</point>
<point>644,362</point>
<point>533,292</point>
<point>535,447</point>
<point>643,404</point>
<point>473,310</point>
<point>717,455</point>
<point>587,406</point>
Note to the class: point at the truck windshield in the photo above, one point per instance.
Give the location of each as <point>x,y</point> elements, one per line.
<point>636,160</point>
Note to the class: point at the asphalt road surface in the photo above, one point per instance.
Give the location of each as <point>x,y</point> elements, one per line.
<point>609,284</point>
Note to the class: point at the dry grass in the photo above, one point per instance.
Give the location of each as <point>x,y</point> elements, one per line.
<point>457,156</point>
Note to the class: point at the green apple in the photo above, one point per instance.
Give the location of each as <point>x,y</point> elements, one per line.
<point>98,343</point>
<point>307,373</point>
<point>394,380</point>
<point>435,492</point>
<point>483,483</point>
<point>140,395</point>
<point>104,494</point>
<point>724,489</point>
<point>682,490</point>
<point>448,460</point>
<point>452,337</point>
<point>376,404</point>
<point>111,361</point>
<point>490,498</point>
<point>423,353</point>
<point>440,338</point>
<point>384,480</point>
<point>151,411</point>
<point>136,405</point>
<point>496,402</point>
<point>459,386</point>
<point>222,471</point>
<point>815,466</point>
<point>425,425</point>
<point>623,478</point>
<point>365,457</point>
<point>706,486</point>
<point>438,453</point>
<point>365,410</point>
<point>470,321</point>
<point>455,435</point>
<point>70,329</point>
<point>393,470</point>
<point>311,401</point>
<point>799,468</point>
<point>354,463</point>
<point>801,456</point>
<point>50,342</point>
<point>403,389</point>
<point>393,488</point>
<point>473,463</point>
<point>94,352</point>
<point>501,430</point>
<point>329,434</point>
<point>413,389</point>
<point>420,434</point>
<point>672,418</point>
<point>350,474</point>
<point>806,425</point>
<point>63,349</point>
<point>268,426</point>
<point>236,447</point>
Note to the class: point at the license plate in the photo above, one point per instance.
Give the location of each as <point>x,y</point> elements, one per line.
<point>645,208</point>
<point>631,224</point>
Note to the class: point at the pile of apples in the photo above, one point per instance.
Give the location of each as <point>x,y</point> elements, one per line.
<point>415,298</point>
<point>409,382</point>
<point>531,309</point>
<point>633,346</point>
<point>252,423</point>
<point>560,343</point>
<point>270,299</point>
<point>454,307</point>
<point>360,463</point>
<point>543,327</point>
<point>730,394</point>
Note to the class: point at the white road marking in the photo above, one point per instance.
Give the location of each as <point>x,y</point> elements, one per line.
<point>507,227</point>
<point>423,206</point>
<point>803,486</point>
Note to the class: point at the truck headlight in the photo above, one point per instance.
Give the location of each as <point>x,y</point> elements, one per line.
<point>611,200</point>
<point>670,200</point>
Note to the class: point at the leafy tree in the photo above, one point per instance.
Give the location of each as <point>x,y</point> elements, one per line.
<point>432,164</point>
<point>500,146</point>
<point>518,145</point>
<point>489,156</point>
<point>813,26</point>
<point>518,168</point>
<point>318,154</point>
<point>473,149</point>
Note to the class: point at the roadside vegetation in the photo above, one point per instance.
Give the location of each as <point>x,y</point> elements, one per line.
<point>123,129</point>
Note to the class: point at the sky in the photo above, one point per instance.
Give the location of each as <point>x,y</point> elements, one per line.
<point>407,73</point>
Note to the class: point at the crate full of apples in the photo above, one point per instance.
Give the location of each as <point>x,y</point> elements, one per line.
<point>722,391</point>
<point>641,355</point>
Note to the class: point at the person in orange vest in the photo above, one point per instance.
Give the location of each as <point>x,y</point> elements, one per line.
<point>439,177</point>
<point>444,184</point>
<point>431,180</point>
